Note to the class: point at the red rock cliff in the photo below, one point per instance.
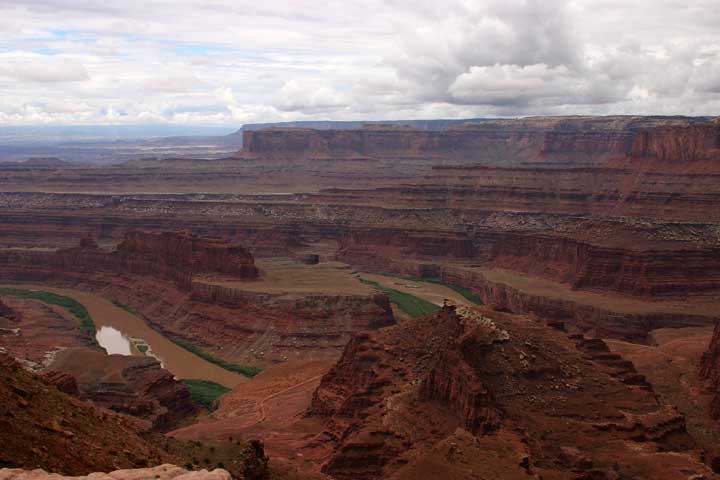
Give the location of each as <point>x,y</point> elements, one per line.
<point>188,253</point>
<point>576,139</point>
<point>8,312</point>
<point>398,393</point>
<point>710,371</point>
<point>684,144</point>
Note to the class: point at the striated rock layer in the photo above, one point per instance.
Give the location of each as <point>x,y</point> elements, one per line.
<point>187,253</point>
<point>504,141</point>
<point>482,382</point>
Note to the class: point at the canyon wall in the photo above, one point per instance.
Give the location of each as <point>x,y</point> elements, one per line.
<point>238,325</point>
<point>651,272</point>
<point>170,255</point>
<point>710,371</point>
<point>687,144</point>
<point>580,139</point>
<point>187,253</point>
<point>598,318</point>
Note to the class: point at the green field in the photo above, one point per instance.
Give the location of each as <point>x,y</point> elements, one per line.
<point>246,370</point>
<point>466,293</point>
<point>205,392</point>
<point>410,304</point>
<point>84,319</point>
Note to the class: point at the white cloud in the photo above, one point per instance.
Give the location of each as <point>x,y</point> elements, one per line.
<point>222,61</point>
<point>39,68</point>
<point>309,96</point>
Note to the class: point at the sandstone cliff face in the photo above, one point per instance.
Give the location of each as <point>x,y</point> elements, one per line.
<point>169,255</point>
<point>580,139</point>
<point>187,253</point>
<point>398,395</point>
<point>710,371</point>
<point>679,144</point>
<point>579,263</point>
<point>454,382</point>
<point>190,253</point>
<point>650,273</point>
<point>596,320</point>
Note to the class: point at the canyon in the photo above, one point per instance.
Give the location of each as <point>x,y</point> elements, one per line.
<point>209,298</point>
<point>587,239</point>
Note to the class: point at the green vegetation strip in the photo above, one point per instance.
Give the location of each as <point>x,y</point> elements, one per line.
<point>466,293</point>
<point>205,392</point>
<point>77,309</point>
<point>127,308</point>
<point>410,304</point>
<point>246,370</point>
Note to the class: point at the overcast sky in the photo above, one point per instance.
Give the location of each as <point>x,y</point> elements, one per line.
<point>235,61</point>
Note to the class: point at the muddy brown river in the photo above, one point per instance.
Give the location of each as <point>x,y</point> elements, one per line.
<point>117,328</point>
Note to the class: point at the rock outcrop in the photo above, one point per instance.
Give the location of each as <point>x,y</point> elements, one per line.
<point>8,313</point>
<point>398,395</point>
<point>186,253</point>
<point>64,382</point>
<point>136,386</point>
<point>453,380</point>
<point>710,371</point>
<point>42,427</point>
<point>162,472</point>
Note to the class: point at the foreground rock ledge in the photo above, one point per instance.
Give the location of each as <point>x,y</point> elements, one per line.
<point>163,472</point>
